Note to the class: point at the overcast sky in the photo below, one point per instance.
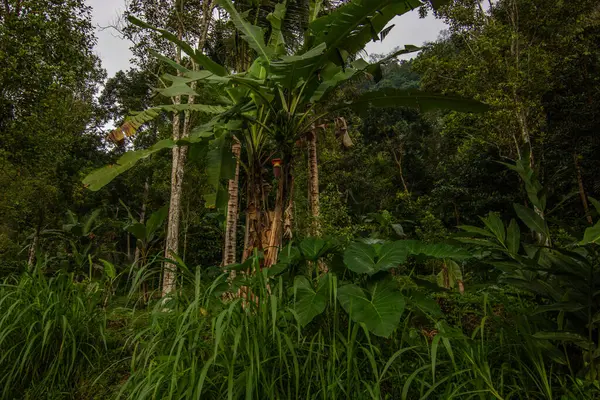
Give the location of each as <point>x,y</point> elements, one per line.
<point>115,54</point>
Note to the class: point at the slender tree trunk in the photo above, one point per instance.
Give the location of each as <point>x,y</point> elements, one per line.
<point>584,200</point>
<point>313,182</point>
<point>232,208</point>
<point>313,191</point>
<point>142,218</point>
<point>33,248</point>
<point>178,166</point>
<point>398,159</point>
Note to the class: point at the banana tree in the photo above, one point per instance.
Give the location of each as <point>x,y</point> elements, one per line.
<point>279,98</point>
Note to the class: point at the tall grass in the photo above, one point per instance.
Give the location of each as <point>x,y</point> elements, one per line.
<point>51,329</point>
<point>255,349</point>
<point>203,348</point>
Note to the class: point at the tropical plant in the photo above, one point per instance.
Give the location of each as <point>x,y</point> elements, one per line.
<point>564,278</point>
<point>78,241</point>
<point>278,99</point>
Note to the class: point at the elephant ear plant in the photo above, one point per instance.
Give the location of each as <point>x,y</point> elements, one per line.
<point>278,99</point>
<point>361,283</point>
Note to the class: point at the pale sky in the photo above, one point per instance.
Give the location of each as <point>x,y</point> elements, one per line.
<point>115,54</point>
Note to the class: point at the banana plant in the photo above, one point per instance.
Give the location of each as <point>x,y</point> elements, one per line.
<point>281,96</point>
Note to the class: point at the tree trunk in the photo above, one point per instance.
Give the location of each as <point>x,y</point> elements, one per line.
<point>172,242</point>
<point>142,218</point>
<point>256,220</point>
<point>584,200</point>
<point>274,235</point>
<point>313,182</point>
<point>232,209</point>
<point>313,191</point>
<point>33,248</point>
<point>288,221</point>
<point>177,169</point>
<point>179,158</point>
<point>398,159</point>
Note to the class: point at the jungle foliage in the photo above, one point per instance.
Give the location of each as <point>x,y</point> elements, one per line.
<point>422,228</point>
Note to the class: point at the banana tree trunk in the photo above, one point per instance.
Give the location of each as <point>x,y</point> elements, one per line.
<point>232,209</point>
<point>274,235</point>
<point>256,218</point>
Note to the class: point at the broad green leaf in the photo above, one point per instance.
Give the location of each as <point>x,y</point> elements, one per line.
<point>138,230</point>
<point>310,302</point>
<point>350,27</point>
<point>276,41</point>
<point>291,71</point>
<point>367,259</point>
<point>103,176</point>
<point>476,230</point>
<point>312,248</point>
<point>531,219</point>
<point>592,235</point>
<point>380,309</point>
<point>595,203</point>
<point>156,220</point>
<point>220,165</point>
<point>197,56</point>
<point>333,76</point>
<point>99,178</point>
<point>109,269</point>
<point>289,255</point>
<point>341,76</point>
<point>252,34</point>
<point>139,118</point>
<point>277,269</point>
<point>496,226</point>
<point>390,97</point>
<point>179,84</point>
<point>513,237</point>
<point>360,257</point>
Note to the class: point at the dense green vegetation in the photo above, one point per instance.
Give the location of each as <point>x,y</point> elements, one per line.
<point>275,216</point>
